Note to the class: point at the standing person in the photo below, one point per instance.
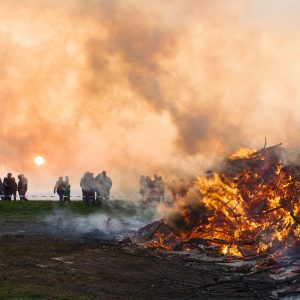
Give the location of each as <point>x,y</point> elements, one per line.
<point>22,187</point>
<point>87,184</point>
<point>1,189</point>
<point>14,188</point>
<point>103,186</point>
<point>67,189</point>
<point>7,184</point>
<point>143,187</point>
<point>91,188</point>
<point>150,189</point>
<point>160,186</point>
<point>84,187</point>
<point>107,184</point>
<point>99,189</point>
<point>59,189</point>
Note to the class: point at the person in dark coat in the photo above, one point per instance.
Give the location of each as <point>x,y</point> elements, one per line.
<point>14,188</point>
<point>103,186</point>
<point>87,184</point>
<point>67,189</point>
<point>99,189</point>
<point>22,187</point>
<point>8,187</point>
<point>1,189</point>
<point>59,189</point>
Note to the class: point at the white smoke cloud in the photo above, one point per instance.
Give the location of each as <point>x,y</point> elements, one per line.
<point>136,87</point>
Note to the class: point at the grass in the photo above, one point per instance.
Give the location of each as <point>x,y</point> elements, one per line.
<point>32,210</point>
<point>21,257</point>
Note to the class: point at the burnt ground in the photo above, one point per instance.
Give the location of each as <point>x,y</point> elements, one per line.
<point>42,259</point>
<point>39,263</point>
<point>39,267</point>
<point>35,264</point>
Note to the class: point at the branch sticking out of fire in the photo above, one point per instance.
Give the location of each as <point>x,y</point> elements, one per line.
<point>296,220</point>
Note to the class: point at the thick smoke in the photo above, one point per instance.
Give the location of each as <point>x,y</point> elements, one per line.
<point>118,218</point>
<point>137,87</point>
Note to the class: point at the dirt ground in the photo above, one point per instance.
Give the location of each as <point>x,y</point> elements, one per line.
<point>52,258</point>
<point>45,260</point>
<point>40,266</point>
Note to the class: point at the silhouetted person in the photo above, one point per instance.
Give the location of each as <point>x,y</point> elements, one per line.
<point>8,187</point>
<point>1,189</point>
<point>107,184</point>
<point>87,184</point>
<point>14,188</point>
<point>22,187</point>
<point>159,188</point>
<point>142,186</point>
<point>103,186</point>
<point>152,190</point>
<point>59,189</point>
<point>98,188</point>
<point>67,189</point>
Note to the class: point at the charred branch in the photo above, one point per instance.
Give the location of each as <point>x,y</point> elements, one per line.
<point>268,149</point>
<point>295,219</point>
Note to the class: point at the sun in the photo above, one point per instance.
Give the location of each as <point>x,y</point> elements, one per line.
<point>39,160</point>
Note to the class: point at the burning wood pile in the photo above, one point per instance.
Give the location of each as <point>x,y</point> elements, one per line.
<point>240,226</point>
<point>249,209</point>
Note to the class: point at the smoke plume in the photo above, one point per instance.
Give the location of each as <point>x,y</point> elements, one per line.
<point>136,87</point>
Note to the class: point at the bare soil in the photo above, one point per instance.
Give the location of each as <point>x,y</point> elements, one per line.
<point>42,259</point>
<point>35,264</point>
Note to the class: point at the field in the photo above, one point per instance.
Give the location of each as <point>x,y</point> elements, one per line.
<point>34,210</point>
<point>41,260</point>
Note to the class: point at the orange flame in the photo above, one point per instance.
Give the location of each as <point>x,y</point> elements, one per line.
<point>245,211</point>
<point>242,153</point>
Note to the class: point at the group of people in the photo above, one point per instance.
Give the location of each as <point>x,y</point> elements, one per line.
<point>95,189</point>
<point>152,190</point>
<point>63,189</point>
<point>9,187</point>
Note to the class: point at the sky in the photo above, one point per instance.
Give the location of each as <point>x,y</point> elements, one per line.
<point>141,87</point>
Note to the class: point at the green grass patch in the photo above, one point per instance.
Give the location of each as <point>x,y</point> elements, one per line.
<point>32,210</point>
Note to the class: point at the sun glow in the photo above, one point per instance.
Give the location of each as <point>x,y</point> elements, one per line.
<point>39,160</point>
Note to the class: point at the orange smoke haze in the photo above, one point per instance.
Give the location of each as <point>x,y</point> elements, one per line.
<point>142,86</point>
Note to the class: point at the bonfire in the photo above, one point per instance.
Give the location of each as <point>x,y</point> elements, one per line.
<point>247,209</point>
